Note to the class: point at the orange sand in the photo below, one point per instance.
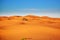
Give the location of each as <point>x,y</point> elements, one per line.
<point>29,28</point>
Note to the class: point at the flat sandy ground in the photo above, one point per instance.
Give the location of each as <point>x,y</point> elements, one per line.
<point>20,30</point>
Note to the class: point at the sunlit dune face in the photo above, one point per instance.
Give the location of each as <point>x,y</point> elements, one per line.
<point>29,28</point>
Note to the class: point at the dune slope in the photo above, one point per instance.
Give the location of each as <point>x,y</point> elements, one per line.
<point>29,28</point>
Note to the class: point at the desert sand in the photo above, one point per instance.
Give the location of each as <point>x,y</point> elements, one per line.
<point>29,27</point>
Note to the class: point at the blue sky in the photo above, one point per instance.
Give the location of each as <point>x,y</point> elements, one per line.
<point>35,7</point>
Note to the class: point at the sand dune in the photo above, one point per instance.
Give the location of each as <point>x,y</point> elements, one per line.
<point>29,27</point>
